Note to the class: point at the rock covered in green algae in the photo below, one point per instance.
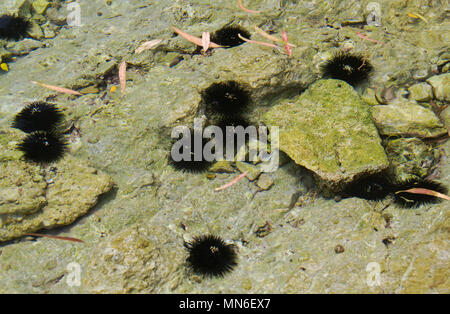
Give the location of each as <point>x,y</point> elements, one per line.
<point>404,117</point>
<point>33,197</point>
<point>410,157</point>
<point>328,129</point>
<point>421,92</point>
<point>137,260</point>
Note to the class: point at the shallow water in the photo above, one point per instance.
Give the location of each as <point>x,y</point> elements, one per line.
<point>294,229</point>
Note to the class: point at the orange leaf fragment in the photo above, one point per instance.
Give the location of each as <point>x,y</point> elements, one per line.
<point>425,192</point>
<point>193,39</point>
<point>58,89</point>
<point>245,9</point>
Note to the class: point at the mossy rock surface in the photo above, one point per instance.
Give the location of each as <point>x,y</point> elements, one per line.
<point>329,130</point>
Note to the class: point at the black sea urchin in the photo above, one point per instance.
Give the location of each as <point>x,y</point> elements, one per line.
<point>43,146</point>
<point>12,27</point>
<point>226,98</point>
<point>187,147</point>
<point>210,256</point>
<point>38,116</point>
<point>228,36</point>
<point>373,188</point>
<point>351,68</point>
<point>412,200</point>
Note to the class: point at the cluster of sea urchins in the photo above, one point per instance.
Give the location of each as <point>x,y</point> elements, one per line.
<point>225,104</point>
<point>406,194</point>
<point>44,143</point>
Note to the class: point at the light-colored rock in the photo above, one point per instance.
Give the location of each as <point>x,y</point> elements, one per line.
<point>407,118</point>
<point>441,86</point>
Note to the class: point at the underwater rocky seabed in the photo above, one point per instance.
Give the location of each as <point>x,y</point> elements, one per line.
<point>140,210</point>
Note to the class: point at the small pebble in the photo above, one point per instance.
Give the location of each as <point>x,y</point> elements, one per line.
<point>339,249</point>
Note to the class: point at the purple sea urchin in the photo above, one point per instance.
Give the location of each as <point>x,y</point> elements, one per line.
<point>351,68</point>
<point>38,116</point>
<point>43,146</point>
<point>12,27</point>
<point>210,256</point>
<point>412,200</point>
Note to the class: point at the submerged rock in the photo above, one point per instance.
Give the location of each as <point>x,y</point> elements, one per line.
<point>410,157</point>
<point>34,197</point>
<point>136,261</point>
<point>441,86</point>
<point>328,129</point>
<point>405,117</point>
<point>421,92</point>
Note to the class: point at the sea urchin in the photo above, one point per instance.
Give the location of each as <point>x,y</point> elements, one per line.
<point>412,200</point>
<point>38,116</point>
<point>43,146</point>
<point>227,98</point>
<point>188,148</point>
<point>210,256</point>
<point>228,36</point>
<point>351,68</point>
<point>13,27</point>
<point>374,188</point>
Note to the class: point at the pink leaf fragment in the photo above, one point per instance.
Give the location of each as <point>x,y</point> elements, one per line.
<point>123,76</point>
<point>205,41</point>
<point>58,89</point>
<point>286,46</point>
<point>245,9</point>
<point>193,39</point>
<point>270,37</point>
<point>258,42</point>
<point>148,45</point>
<point>231,182</point>
<point>426,192</point>
<point>368,39</point>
